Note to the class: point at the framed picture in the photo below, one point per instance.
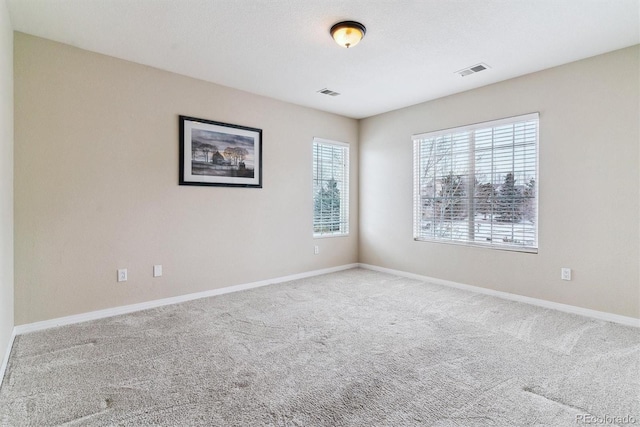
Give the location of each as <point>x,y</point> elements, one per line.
<point>214,153</point>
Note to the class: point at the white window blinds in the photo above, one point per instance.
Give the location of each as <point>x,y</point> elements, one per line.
<point>330,188</point>
<point>478,184</point>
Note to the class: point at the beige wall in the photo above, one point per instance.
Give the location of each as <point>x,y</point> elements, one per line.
<point>6,179</point>
<point>96,186</point>
<point>588,217</point>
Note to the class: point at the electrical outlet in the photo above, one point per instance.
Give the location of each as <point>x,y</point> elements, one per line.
<point>157,270</point>
<point>565,273</point>
<point>122,275</point>
<point>316,250</point>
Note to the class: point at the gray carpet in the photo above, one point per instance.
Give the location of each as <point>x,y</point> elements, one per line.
<point>354,348</point>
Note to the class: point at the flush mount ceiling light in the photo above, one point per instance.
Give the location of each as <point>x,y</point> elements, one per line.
<point>348,33</point>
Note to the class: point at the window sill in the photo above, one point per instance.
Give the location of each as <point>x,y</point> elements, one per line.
<point>480,245</point>
<point>324,236</point>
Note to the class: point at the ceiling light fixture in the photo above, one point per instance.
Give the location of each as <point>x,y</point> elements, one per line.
<point>348,33</point>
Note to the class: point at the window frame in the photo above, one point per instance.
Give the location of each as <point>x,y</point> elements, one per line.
<point>344,198</point>
<point>417,198</point>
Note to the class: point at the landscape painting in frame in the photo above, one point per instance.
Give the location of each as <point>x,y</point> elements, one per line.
<point>214,153</point>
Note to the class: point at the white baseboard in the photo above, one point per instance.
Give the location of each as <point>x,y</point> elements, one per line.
<point>5,359</point>
<point>109,312</point>
<point>594,314</point>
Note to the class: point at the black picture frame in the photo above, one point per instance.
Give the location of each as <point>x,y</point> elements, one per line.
<point>219,154</point>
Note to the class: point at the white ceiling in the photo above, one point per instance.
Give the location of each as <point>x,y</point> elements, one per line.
<point>282,48</point>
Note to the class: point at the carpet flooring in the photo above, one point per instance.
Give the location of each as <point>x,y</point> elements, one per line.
<point>353,348</point>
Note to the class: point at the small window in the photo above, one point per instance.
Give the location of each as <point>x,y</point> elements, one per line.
<point>478,185</point>
<point>330,188</point>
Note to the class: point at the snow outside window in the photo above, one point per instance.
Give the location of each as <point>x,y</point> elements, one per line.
<point>478,185</point>
<point>330,188</point>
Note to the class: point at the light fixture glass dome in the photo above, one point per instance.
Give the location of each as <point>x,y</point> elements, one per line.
<point>348,33</point>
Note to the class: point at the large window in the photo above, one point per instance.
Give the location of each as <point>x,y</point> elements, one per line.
<point>478,184</point>
<point>330,188</point>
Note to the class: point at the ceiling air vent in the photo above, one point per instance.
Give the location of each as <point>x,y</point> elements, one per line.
<point>329,92</point>
<point>472,70</point>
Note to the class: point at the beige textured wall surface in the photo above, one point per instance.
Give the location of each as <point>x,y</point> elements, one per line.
<point>6,178</point>
<point>589,201</point>
<point>96,186</point>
